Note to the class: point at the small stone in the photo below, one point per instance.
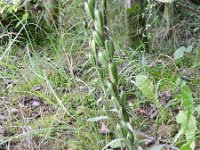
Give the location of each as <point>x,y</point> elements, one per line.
<point>14,110</point>
<point>35,103</point>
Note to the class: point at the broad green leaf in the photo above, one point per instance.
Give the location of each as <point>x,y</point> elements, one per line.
<point>95,119</point>
<point>187,98</point>
<point>190,145</point>
<point>124,115</point>
<point>116,143</point>
<point>179,53</point>
<point>145,85</point>
<point>186,119</point>
<point>192,127</point>
<point>185,146</point>
<point>128,125</point>
<point>188,49</point>
<point>189,132</point>
<point>123,98</point>
<point>103,59</point>
<point>181,119</point>
<point>122,129</point>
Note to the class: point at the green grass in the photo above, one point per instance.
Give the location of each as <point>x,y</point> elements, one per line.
<point>49,89</point>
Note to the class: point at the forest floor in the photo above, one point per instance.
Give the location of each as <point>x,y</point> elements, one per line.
<point>50,90</point>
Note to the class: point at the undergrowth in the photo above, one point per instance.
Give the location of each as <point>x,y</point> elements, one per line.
<point>51,95</point>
